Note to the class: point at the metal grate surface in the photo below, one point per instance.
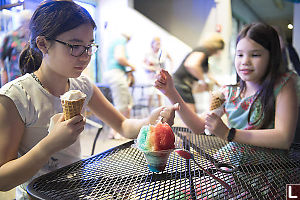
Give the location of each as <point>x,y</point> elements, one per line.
<point>122,173</point>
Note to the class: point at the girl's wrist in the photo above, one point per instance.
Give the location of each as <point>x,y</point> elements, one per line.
<point>44,150</point>
<point>231,134</point>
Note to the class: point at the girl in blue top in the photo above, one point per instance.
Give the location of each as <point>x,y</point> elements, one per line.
<point>262,107</point>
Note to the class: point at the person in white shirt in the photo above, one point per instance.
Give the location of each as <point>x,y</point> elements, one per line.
<point>60,48</point>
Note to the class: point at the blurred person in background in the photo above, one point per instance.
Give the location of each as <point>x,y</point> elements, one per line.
<point>194,70</point>
<point>290,56</point>
<point>12,45</point>
<point>119,76</point>
<point>154,61</point>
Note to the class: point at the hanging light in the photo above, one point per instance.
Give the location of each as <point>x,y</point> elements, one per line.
<point>290,26</point>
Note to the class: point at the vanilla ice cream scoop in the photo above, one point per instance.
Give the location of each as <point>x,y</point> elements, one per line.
<point>73,95</point>
<point>72,103</point>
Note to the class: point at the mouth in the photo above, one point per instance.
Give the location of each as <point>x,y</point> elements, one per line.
<point>79,68</point>
<point>246,71</point>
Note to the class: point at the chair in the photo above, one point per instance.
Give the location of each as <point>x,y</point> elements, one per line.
<point>107,93</point>
<point>140,100</point>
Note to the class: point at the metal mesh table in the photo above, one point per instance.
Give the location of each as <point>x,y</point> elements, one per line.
<point>122,173</point>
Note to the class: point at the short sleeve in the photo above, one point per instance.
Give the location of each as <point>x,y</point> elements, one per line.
<point>85,85</point>
<point>283,79</point>
<point>20,98</point>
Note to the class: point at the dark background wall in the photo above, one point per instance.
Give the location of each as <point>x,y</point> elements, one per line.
<point>184,19</point>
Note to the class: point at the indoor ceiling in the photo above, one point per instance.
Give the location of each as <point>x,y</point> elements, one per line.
<point>274,12</point>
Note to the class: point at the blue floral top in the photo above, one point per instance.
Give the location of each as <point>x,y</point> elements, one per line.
<point>12,46</point>
<point>237,109</point>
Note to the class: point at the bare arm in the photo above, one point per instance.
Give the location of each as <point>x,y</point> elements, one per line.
<point>286,115</point>
<point>15,171</point>
<point>193,64</point>
<point>129,128</point>
<point>120,56</point>
<point>165,84</point>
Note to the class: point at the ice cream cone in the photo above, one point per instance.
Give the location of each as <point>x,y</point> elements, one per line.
<point>157,160</point>
<point>216,101</point>
<point>72,107</point>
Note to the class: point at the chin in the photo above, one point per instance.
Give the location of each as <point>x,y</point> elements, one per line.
<point>75,74</point>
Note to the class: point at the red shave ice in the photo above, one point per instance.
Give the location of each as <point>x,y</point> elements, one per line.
<point>156,137</point>
<point>162,138</point>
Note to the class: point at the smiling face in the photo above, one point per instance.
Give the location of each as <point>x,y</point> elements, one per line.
<point>59,58</point>
<point>251,60</point>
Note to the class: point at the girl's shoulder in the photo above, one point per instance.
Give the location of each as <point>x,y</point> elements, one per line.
<point>84,84</point>
<point>283,79</point>
<point>230,90</point>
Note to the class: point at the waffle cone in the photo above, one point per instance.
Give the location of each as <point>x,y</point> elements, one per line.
<point>215,102</point>
<point>72,108</point>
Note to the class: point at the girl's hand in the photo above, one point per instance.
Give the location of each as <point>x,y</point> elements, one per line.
<point>165,114</point>
<point>164,83</point>
<point>64,133</point>
<point>216,126</point>
<point>168,114</point>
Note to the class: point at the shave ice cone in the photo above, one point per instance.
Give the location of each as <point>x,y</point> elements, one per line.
<point>156,142</point>
<point>157,160</point>
<point>72,103</point>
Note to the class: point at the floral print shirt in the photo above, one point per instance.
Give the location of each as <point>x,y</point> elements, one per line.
<point>237,109</point>
<point>12,46</point>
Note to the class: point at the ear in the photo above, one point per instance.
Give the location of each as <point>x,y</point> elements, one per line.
<point>42,44</point>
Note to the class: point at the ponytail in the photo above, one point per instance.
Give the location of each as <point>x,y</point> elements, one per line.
<point>30,59</point>
<point>51,19</point>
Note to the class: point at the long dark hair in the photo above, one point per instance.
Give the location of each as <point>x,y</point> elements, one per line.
<point>51,19</point>
<point>267,37</point>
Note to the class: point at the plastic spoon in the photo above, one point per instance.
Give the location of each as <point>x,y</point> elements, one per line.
<point>187,155</point>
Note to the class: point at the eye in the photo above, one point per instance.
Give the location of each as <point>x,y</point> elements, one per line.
<point>256,55</point>
<point>239,55</point>
<point>77,46</point>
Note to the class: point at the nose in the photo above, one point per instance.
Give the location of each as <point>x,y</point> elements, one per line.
<point>245,60</point>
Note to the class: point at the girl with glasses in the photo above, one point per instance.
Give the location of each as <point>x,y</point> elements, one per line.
<point>60,48</point>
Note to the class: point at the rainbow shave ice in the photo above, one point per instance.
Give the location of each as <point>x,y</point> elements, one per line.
<point>157,142</point>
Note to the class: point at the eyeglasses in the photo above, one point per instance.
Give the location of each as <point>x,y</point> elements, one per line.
<point>78,50</point>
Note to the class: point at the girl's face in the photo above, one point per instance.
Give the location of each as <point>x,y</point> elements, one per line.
<point>59,58</point>
<point>251,60</point>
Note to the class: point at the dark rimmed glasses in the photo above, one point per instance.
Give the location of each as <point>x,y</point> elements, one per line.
<point>78,50</point>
